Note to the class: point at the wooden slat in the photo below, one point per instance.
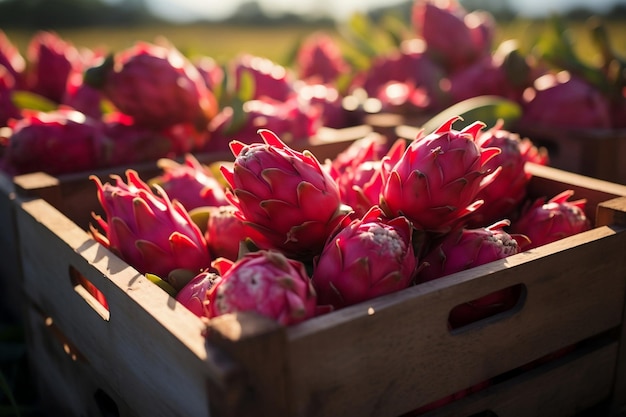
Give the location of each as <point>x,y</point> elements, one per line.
<point>10,272</point>
<point>150,349</point>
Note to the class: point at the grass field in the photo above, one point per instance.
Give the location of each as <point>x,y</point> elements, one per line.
<point>223,42</point>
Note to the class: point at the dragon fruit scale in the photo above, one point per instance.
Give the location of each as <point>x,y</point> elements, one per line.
<point>548,221</point>
<point>465,248</point>
<point>156,85</point>
<point>435,182</point>
<point>193,294</point>
<point>284,194</point>
<point>365,258</point>
<point>265,282</point>
<point>149,231</point>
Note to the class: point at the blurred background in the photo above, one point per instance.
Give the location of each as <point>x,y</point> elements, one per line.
<point>222,29</point>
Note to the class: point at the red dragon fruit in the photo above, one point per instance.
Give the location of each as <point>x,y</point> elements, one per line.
<point>567,101</point>
<point>156,85</point>
<point>267,78</point>
<point>548,221</point>
<point>506,192</point>
<point>329,102</point>
<point>150,232</point>
<point>453,36</point>
<point>194,294</point>
<point>82,97</point>
<point>365,258</point>
<point>11,59</point>
<point>320,60</point>
<point>190,183</point>
<point>211,71</point>
<point>436,181</point>
<point>284,194</point>
<point>265,282</point>
<point>55,142</point>
<point>51,60</point>
<point>465,248</point>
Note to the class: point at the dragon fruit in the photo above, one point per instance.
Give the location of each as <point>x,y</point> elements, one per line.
<point>82,97</point>
<point>292,119</point>
<point>435,182</point>
<point>408,69</point>
<point>150,232</point>
<point>329,102</point>
<point>505,73</point>
<point>211,71</point>
<point>190,183</point>
<point>8,109</point>
<point>360,183</point>
<point>265,282</point>
<point>319,60</point>
<point>548,221</point>
<point>225,232</point>
<point>264,76</point>
<point>284,194</point>
<point>506,192</point>
<point>465,248</point>
<point>365,258</point>
<point>51,61</point>
<point>578,104</point>
<point>55,142</point>
<point>453,36</point>
<point>156,85</point>
<point>193,294</point>
<point>11,59</point>
<point>125,142</point>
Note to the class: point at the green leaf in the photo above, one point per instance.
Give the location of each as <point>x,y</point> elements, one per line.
<point>246,86</point>
<point>162,284</point>
<point>487,109</point>
<point>32,101</point>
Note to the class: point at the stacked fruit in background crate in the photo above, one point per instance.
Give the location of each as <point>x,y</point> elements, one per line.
<point>446,272</point>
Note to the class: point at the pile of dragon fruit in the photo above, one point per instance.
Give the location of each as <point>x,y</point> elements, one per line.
<point>277,232</point>
<point>96,108</point>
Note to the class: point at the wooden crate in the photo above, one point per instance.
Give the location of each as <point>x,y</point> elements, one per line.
<point>385,357</point>
<point>73,194</point>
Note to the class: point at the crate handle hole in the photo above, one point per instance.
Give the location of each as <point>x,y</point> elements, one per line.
<point>90,293</point>
<point>494,306</point>
<point>106,404</point>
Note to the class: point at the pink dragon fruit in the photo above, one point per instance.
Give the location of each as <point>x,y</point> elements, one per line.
<point>506,192</point>
<point>190,183</point>
<point>436,181</point>
<point>409,69</point>
<point>365,258</point>
<point>361,182</point>
<point>125,142</point>
<point>51,61</point>
<point>211,71</point>
<point>284,194</point>
<point>578,104</point>
<point>194,294</point>
<point>8,109</point>
<point>225,232</point>
<point>465,248</point>
<point>265,282</point>
<point>292,119</point>
<point>82,97</point>
<point>329,102</point>
<point>268,79</point>
<point>320,60</point>
<point>505,73</point>
<point>156,85</point>
<point>56,142</point>
<point>548,221</point>
<point>453,37</point>
<point>12,60</point>
<point>150,232</point>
